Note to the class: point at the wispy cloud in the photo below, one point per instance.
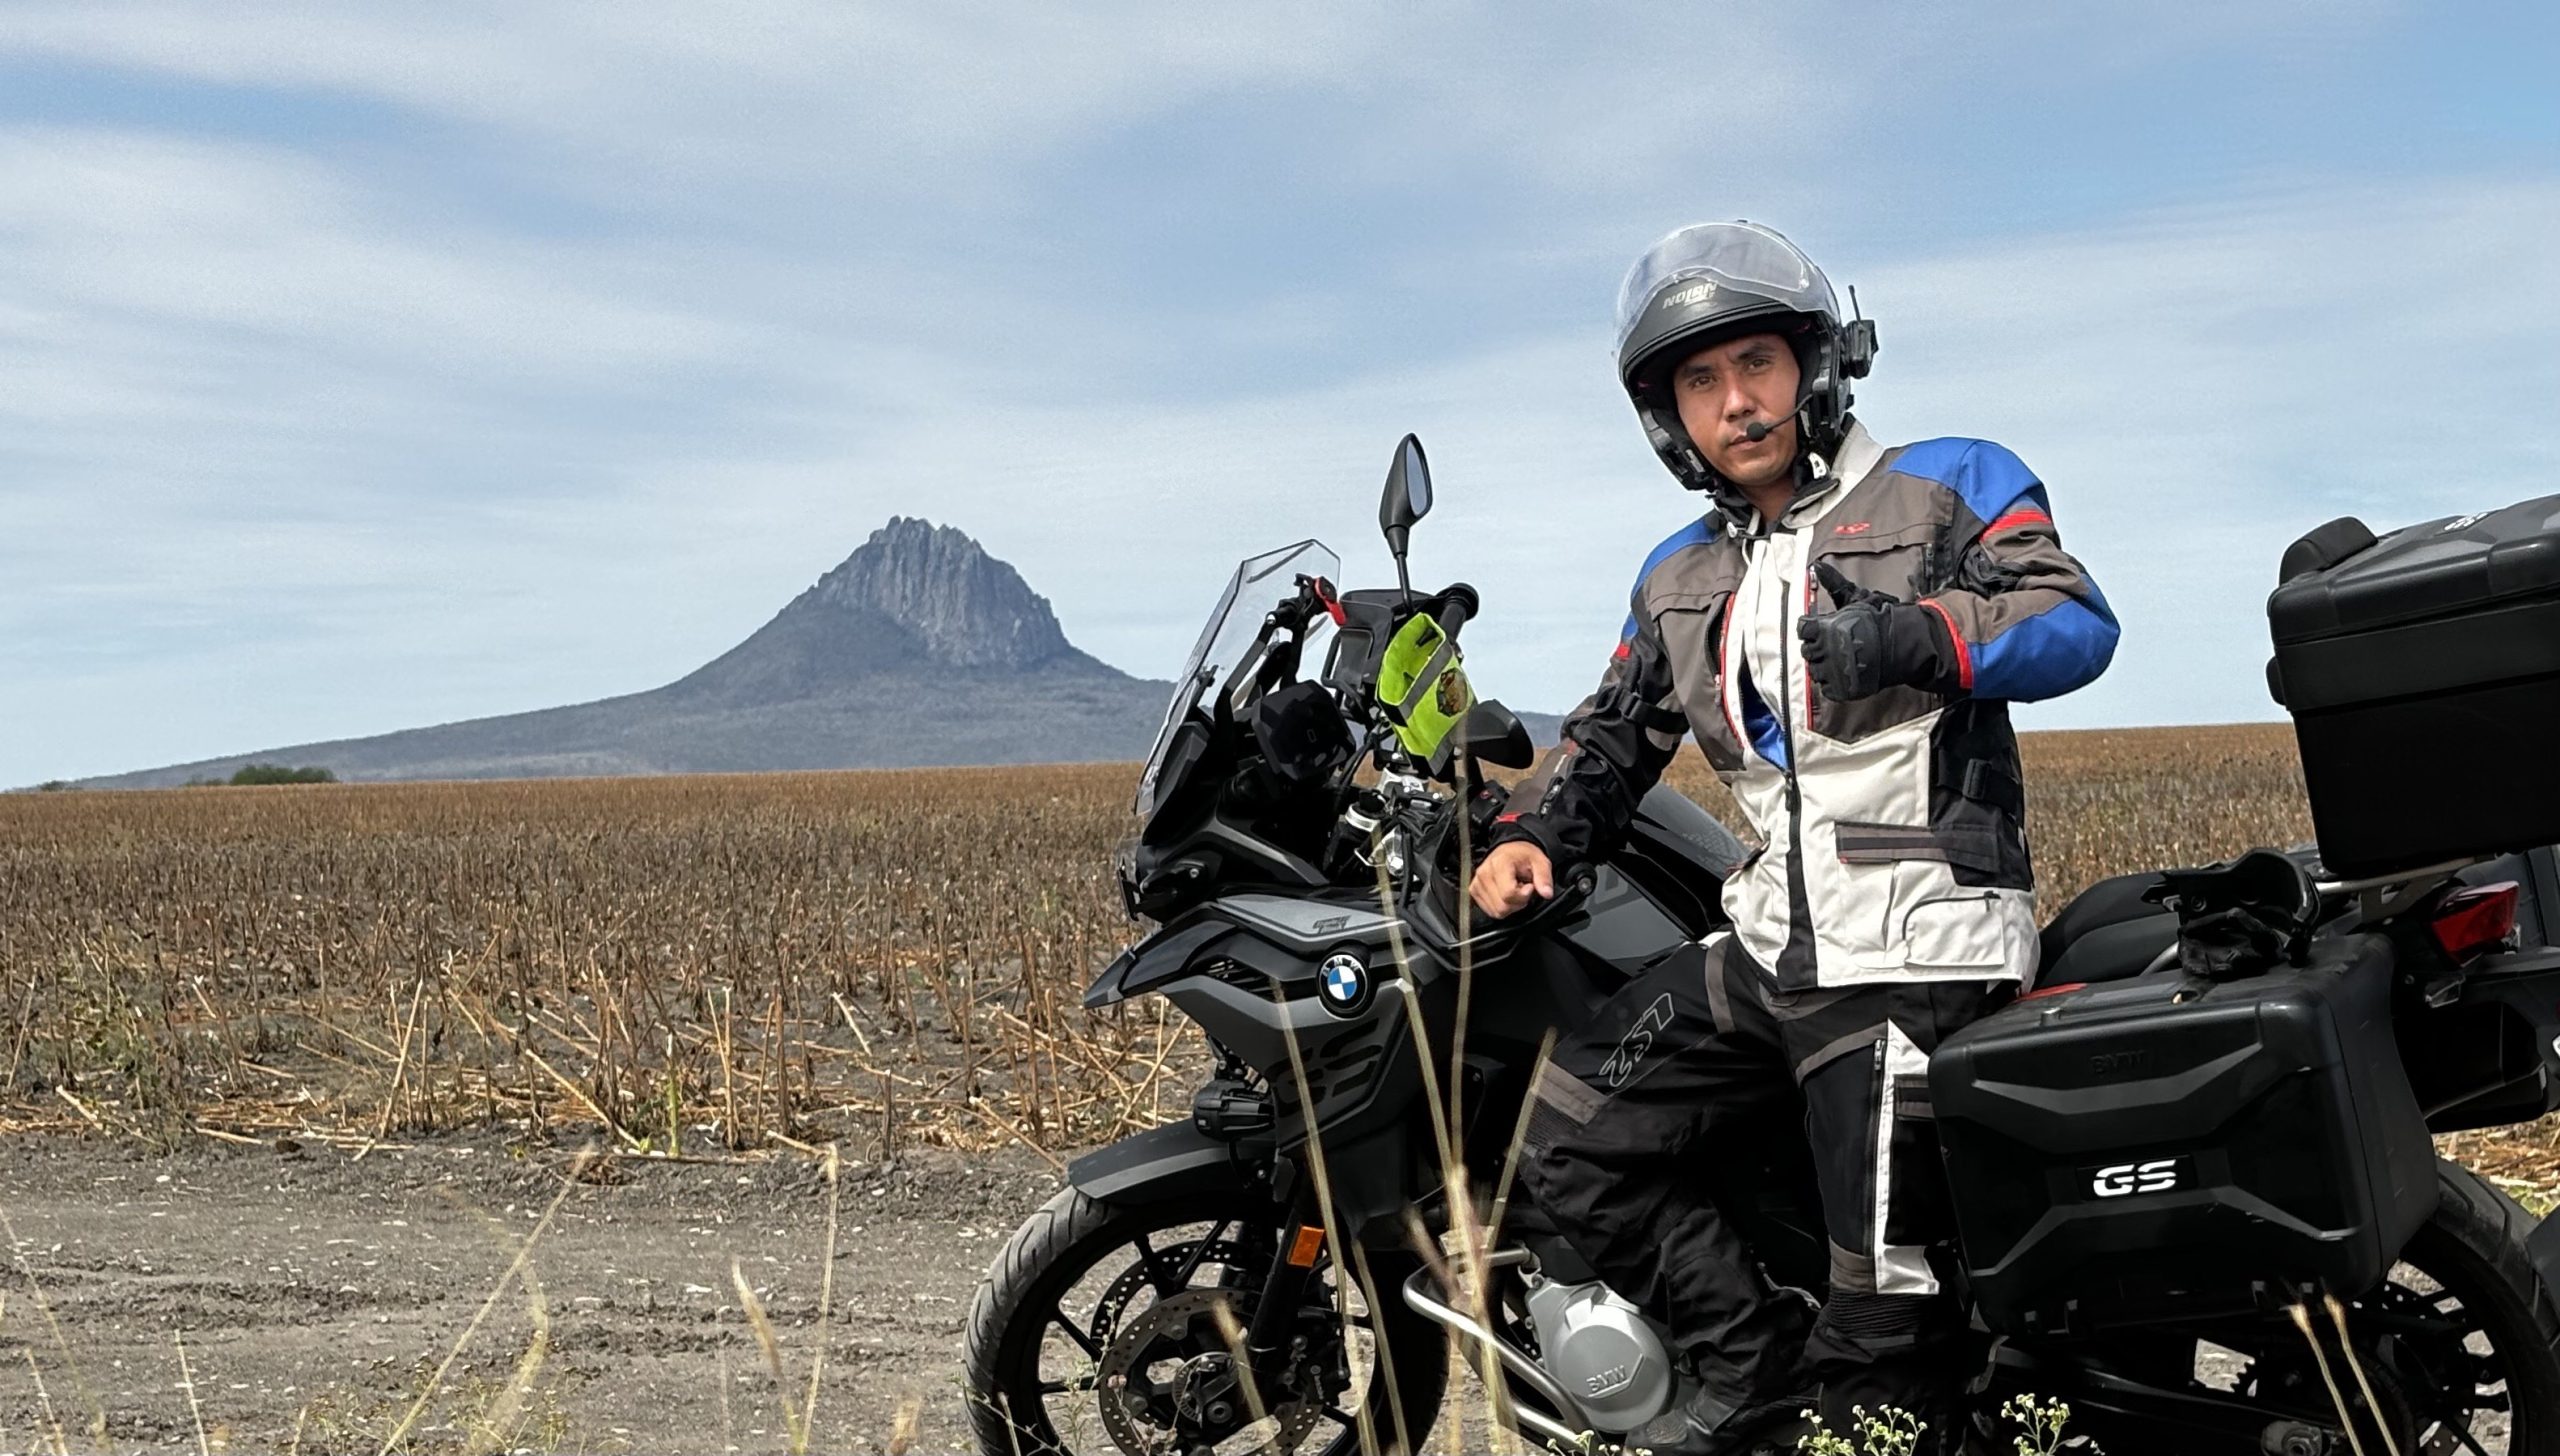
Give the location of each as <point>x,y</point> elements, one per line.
<point>361,368</point>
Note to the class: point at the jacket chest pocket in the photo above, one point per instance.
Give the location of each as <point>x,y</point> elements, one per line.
<point>1692,630</point>
<point>1897,560</point>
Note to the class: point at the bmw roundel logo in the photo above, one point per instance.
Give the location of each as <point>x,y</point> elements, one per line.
<point>1343,984</point>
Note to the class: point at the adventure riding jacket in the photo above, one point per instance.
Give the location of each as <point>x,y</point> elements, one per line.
<point>1893,826</point>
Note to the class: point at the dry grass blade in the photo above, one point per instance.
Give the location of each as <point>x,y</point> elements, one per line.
<point>1322,1172</point>
<point>902,1425</point>
<point>400,1062</point>
<point>636,1144</point>
<point>2302,1321</point>
<point>826,1287</point>
<point>1231,1334</point>
<point>44,1408</point>
<point>772,1348</point>
<point>728,1424</point>
<point>53,1327</point>
<point>187,1382</point>
<point>514,1270</point>
<point>979,1106</point>
<point>496,1424</point>
<point>2338,1317</point>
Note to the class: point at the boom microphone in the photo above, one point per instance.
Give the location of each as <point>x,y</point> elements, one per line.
<point>1759,430</point>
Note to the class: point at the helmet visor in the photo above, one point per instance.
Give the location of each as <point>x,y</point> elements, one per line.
<point>1742,256</point>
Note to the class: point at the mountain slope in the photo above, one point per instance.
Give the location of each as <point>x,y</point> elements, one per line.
<point>919,649</point>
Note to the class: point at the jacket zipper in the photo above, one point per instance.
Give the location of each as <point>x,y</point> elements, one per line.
<point>1786,684</point>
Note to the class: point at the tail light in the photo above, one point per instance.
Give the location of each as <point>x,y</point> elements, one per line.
<point>2469,922</point>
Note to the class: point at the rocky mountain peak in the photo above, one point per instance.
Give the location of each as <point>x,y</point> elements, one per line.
<point>966,608</point>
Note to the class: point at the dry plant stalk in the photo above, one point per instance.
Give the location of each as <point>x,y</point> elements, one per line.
<point>772,1348</point>
<point>492,1428</point>
<point>53,1327</point>
<point>902,1425</point>
<point>519,1267</point>
<point>832,1170</point>
<point>187,1382</point>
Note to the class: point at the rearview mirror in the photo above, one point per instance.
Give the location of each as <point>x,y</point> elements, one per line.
<point>1495,735</point>
<point>1406,500</point>
<point>1408,494</point>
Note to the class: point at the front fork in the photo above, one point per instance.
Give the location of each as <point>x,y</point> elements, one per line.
<point>1275,1315</point>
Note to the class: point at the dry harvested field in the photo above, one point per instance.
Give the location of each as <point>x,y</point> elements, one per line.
<point>296,1073</point>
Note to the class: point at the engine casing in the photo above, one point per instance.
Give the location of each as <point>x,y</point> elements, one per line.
<point>1603,1352</point>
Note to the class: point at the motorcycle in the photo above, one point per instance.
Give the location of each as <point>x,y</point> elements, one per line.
<point>2194,1183</point>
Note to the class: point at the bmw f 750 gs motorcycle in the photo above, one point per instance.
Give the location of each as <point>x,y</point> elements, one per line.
<point>2214,1123</point>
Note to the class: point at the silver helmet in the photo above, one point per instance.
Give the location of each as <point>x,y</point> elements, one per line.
<point>1714,281</point>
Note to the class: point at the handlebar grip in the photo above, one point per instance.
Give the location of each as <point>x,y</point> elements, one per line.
<point>1459,603</point>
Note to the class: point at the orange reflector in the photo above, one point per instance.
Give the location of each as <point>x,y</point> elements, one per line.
<point>1304,1248</point>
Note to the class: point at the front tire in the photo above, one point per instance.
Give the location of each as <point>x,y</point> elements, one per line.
<point>1093,1310</point>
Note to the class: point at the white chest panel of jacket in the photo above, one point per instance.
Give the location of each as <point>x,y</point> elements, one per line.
<point>1801,908</point>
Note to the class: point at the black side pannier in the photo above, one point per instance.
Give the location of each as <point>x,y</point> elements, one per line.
<point>2170,1148</point>
<point>2422,671</point>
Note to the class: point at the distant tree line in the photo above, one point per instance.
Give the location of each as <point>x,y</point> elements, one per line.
<point>256,773</point>
<point>269,773</point>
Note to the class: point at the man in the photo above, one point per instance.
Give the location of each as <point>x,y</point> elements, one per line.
<point>1842,632</point>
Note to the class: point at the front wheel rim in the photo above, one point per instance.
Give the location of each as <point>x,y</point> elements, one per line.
<point>1093,1361</point>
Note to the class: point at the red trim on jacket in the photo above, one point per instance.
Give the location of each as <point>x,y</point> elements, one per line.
<point>1964,654</point>
<point>1506,818</point>
<point>1725,691</point>
<point>1620,655</point>
<point>2017,518</point>
<point>1810,707</point>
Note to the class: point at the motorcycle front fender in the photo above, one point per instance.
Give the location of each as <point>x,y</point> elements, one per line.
<point>1171,1161</point>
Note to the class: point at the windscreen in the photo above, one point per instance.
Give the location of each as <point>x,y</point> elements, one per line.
<point>1235,624</point>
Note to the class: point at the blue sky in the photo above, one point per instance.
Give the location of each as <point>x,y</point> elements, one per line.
<point>366,367</point>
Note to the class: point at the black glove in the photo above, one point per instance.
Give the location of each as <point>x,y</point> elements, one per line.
<point>1873,642</point>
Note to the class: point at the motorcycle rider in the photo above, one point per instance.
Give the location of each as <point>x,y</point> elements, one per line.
<point>1842,631</point>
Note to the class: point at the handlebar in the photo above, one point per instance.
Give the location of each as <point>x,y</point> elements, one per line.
<point>1459,603</point>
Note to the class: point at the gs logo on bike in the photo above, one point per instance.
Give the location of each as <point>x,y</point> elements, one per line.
<point>1637,1043</point>
<point>2157,1176</point>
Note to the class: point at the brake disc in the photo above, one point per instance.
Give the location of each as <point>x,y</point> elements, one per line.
<point>1204,1398</point>
<point>1140,1277</point>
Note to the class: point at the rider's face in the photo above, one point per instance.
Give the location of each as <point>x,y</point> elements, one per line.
<point>1721,390</point>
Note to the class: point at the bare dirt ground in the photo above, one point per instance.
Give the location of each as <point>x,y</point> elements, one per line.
<point>317,1296</point>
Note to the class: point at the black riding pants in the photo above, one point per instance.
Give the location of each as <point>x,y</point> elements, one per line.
<point>1705,1037</point>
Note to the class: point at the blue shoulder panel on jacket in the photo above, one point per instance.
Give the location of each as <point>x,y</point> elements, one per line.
<point>1696,533</point>
<point>1986,476</point>
<point>2059,650</point>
